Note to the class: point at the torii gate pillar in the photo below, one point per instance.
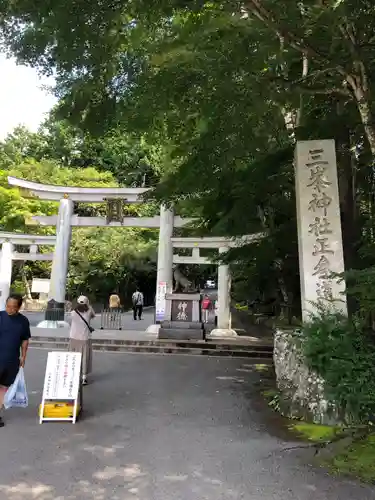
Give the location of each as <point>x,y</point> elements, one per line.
<point>165,248</point>
<point>55,312</point>
<point>5,272</point>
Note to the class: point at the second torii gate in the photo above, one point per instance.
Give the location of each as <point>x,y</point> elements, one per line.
<point>8,242</point>
<point>222,244</point>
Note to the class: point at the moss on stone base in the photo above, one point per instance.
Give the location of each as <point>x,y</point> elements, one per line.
<point>356,460</point>
<point>313,432</point>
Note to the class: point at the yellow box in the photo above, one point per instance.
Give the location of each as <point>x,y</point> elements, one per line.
<point>59,409</point>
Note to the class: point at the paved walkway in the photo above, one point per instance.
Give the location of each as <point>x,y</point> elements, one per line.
<point>127,320</point>
<point>131,330</point>
<point>159,428</point>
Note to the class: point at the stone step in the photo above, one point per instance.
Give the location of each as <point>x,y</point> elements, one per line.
<point>158,348</point>
<point>210,343</point>
<point>184,325</point>
<point>180,334</point>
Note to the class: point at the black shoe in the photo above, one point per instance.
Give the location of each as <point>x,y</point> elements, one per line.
<point>1,422</point>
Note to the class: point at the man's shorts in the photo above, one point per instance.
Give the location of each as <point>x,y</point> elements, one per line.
<point>8,374</point>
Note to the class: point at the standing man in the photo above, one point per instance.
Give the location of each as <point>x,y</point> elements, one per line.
<point>137,300</point>
<point>14,342</point>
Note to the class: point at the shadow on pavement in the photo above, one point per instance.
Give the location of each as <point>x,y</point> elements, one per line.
<point>158,428</point>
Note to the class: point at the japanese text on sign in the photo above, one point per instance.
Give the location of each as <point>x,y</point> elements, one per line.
<point>319,204</point>
<point>62,376</point>
<point>182,316</point>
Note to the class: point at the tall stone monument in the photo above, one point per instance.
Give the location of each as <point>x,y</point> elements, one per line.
<point>319,227</point>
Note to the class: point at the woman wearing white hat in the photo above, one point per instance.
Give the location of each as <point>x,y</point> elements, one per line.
<point>80,334</point>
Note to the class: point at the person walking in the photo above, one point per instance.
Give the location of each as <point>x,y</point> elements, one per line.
<point>80,334</point>
<point>137,299</point>
<point>14,342</point>
<point>206,307</point>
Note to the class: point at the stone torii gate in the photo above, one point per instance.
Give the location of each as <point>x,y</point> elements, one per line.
<point>115,198</point>
<point>66,219</point>
<point>8,241</point>
<point>224,279</point>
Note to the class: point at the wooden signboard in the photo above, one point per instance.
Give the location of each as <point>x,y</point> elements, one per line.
<point>62,383</point>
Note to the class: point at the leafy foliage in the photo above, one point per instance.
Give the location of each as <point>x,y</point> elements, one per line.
<point>342,352</point>
<point>105,260</point>
<point>214,94</point>
<point>101,260</point>
<point>130,159</point>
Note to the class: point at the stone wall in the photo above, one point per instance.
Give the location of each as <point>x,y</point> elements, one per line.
<point>301,390</point>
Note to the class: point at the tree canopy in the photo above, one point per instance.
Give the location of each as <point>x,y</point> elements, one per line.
<point>215,95</point>
<point>101,260</point>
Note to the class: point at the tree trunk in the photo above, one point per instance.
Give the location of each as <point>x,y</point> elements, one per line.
<point>365,112</point>
<point>351,231</point>
<point>348,208</point>
<point>26,284</point>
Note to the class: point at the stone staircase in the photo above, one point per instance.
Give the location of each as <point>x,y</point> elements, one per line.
<point>234,348</point>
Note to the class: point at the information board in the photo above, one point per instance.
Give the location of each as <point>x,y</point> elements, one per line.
<point>160,301</point>
<point>62,381</point>
<point>40,285</point>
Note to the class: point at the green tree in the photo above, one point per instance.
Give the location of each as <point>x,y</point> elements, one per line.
<point>224,89</point>
<point>100,259</point>
<point>105,260</point>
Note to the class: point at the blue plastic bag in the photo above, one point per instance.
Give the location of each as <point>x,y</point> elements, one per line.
<point>16,395</point>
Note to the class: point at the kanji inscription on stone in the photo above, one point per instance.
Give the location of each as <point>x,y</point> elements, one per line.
<point>115,210</point>
<point>182,310</point>
<point>320,201</point>
<point>324,290</point>
<point>322,247</point>
<point>318,179</point>
<point>319,227</point>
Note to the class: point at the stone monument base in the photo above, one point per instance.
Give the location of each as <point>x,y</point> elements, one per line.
<point>53,324</point>
<point>153,330</point>
<point>302,390</point>
<point>181,330</point>
<point>183,317</point>
<point>221,333</point>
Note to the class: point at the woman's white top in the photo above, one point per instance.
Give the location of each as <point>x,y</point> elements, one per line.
<point>78,328</point>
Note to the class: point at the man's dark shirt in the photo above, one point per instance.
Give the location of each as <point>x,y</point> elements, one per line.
<point>13,331</point>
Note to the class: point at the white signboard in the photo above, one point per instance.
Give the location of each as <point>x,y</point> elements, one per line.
<point>319,227</point>
<point>160,301</point>
<point>62,380</point>
<point>40,285</point>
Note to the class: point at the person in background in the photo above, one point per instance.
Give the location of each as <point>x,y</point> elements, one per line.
<point>137,299</point>
<point>114,305</point>
<point>114,301</point>
<point>14,342</point>
<point>80,334</point>
<point>206,308</point>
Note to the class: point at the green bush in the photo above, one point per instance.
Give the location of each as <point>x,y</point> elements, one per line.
<point>18,287</point>
<point>342,352</point>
